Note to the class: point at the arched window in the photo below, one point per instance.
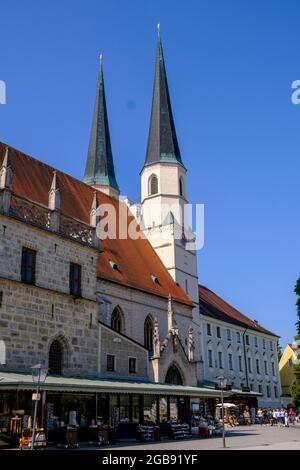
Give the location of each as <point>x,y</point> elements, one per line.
<point>173,376</point>
<point>148,333</point>
<point>153,185</point>
<point>56,358</point>
<point>116,320</point>
<point>180,186</point>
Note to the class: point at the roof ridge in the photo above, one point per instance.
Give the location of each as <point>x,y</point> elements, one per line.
<point>221,307</point>
<point>30,157</point>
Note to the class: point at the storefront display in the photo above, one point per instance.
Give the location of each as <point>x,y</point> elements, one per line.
<point>150,409</point>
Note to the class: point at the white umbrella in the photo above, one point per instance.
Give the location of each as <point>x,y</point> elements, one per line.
<point>228,405</point>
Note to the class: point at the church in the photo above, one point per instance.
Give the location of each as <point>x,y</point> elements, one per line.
<point>121,323</point>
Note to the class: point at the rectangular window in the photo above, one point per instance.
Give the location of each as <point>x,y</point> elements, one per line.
<point>238,337</point>
<point>260,390</point>
<point>255,342</point>
<point>230,361</point>
<point>28,266</point>
<point>229,335</point>
<point>218,332</point>
<point>290,363</point>
<point>249,365</point>
<point>275,392</point>
<point>247,340</point>
<point>75,279</point>
<point>268,391</point>
<point>110,363</point>
<point>257,366</point>
<point>208,329</point>
<point>210,358</point>
<point>273,369</point>
<point>251,387</point>
<point>266,367</point>
<point>271,345</point>
<point>132,365</point>
<point>220,360</point>
<point>240,364</point>
<point>264,343</point>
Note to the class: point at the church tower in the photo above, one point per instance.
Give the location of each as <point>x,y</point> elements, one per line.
<point>99,171</point>
<point>164,191</point>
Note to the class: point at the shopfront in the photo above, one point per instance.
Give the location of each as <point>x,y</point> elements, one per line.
<point>115,407</point>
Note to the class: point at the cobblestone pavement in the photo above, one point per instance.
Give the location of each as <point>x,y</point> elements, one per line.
<point>243,438</point>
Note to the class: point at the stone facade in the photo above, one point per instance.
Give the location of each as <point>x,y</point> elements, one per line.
<point>32,316</point>
<point>136,306</point>
<point>113,343</point>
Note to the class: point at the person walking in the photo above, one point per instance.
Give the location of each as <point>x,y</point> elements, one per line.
<point>286,419</point>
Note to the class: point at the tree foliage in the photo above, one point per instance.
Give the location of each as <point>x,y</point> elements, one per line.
<point>279,351</point>
<point>295,386</point>
<point>297,292</point>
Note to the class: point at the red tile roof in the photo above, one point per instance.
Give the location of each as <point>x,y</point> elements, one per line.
<point>136,259</point>
<point>213,306</point>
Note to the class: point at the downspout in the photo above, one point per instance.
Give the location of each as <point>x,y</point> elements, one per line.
<point>245,358</point>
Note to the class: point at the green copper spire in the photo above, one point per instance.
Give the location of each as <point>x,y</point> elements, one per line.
<point>162,140</point>
<point>99,169</point>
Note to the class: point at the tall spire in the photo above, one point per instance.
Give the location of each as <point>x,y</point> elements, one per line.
<point>99,171</point>
<point>162,140</point>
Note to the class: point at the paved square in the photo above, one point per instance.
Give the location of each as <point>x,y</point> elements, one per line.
<point>242,438</point>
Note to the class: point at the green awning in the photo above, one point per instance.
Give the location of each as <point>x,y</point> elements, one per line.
<point>17,381</point>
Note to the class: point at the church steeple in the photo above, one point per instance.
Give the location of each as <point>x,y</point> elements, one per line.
<point>162,140</point>
<point>99,171</point>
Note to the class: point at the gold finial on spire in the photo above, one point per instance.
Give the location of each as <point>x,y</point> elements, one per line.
<point>158,29</point>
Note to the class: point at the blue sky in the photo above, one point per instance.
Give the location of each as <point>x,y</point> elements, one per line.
<point>230,66</point>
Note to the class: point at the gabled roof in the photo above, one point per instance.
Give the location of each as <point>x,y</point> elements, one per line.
<point>213,306</point>
<point>136,259</point>
<point>162,140</point>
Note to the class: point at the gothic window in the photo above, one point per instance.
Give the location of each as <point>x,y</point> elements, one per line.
<point>153,186</point>
<point>56,358</point>
<point>116,320</point>
<point>180,186</point>
<point>173,376</point>
<point>148,333</point>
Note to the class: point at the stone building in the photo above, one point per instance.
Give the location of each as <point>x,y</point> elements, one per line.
<point>240,349</point>
<point>98,307</point>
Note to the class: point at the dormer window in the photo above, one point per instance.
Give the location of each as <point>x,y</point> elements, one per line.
<point>154,279</point>
<point>114,266</point>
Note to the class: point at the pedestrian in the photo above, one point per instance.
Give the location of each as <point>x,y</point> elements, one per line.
<point>286,419</point>
<point>292,416</point>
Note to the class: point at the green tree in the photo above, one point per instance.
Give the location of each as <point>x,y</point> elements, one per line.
<point>297,292</point>
<point>279,351</point>
<point>295,386</point>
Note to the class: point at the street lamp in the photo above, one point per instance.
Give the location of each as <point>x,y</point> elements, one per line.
<point>222,382</point>
<point>39,375</point>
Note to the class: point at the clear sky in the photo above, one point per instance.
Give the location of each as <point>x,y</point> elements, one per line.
<point>230,66</point>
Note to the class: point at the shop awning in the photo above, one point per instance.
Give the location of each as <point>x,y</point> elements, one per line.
<point>17,381</point>
<point>240,393</point>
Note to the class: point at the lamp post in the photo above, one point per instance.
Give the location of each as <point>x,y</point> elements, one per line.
<point>39,375</point>
<point>222,382</point>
